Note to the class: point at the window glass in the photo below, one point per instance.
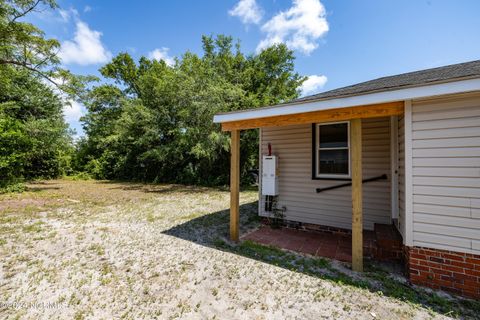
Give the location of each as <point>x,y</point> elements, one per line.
<point>332,150</point>
<point>333,135</point>
<point>333,161</point>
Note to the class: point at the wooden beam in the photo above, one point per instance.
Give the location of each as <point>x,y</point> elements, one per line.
<point>357,203</point>
<point>340,114</point>
<point>234,184</point>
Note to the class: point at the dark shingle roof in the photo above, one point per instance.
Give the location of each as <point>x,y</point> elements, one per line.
<point>412,79</point>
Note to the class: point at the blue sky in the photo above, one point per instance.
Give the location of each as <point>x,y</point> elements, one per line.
<point>337,43</point>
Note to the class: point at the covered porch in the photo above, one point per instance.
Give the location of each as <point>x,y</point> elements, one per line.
<point>383,243</point>
<point>349,247</point>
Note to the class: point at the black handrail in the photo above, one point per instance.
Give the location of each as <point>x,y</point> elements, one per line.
<point>382,177</point>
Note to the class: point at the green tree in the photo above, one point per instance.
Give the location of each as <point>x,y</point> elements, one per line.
<point>155,123</point>
<point>34,138</point>
<point>25,46</point>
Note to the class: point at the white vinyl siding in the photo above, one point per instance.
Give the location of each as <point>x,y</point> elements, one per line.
<point>293,146</point>
<point>446,173</point>
<point>401,176</point>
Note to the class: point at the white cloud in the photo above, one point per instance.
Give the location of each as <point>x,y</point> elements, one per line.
<point>87,9</point>
<point>313,84</point>
<point>162,54</point>
<point>85,48</point>
<point>67,15</point>
<point>64,14</point>
<point>248,11</point>
<point>299,27</point>
<point>73,112</point>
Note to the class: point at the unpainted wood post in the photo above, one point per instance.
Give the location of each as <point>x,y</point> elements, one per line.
<point>357,196</point>
<point>235,185</point>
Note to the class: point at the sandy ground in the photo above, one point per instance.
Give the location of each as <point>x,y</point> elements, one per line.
<point>99,250</point>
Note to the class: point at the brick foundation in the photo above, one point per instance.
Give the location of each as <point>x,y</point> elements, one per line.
<point>450,271</point>
<point>310,227</point>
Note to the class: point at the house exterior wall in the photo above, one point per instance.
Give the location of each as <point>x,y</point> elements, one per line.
<point>446,173</point>
<point>452,271</point>
<point>293,146</point>
<point>445,183</point>
<point>401,175</point>
<point>438,187</point>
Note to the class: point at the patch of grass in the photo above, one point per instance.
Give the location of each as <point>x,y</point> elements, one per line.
<point>97,248</point>
<point>106,269</point>
<point>9,219</point>
<point>98,209</point>
<point>34,227</point>
<point>212,220</point>
<point>81,176</point>
<point>79,315</point>
<point>402,291</point>
<point>74,300</point>
<point>17,187</point>
<point>191,216</point>
<point>278,257</point>
<point>150,217</point>
<point>374,279</point>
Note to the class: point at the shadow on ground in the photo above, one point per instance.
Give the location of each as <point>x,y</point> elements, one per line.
<point>38,186</point>
<point>39,189</point>
<point>154,188</point>
<point>212,230</point>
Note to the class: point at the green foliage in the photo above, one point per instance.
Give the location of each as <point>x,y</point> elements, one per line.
<point>80,176</point>
<point>375,279</point>
<point>25,46</point>
<point>309,265</point>
<point>12,187</point>
<point>149,121</point>
<point>22,43</point>
<point>34,139</point>
<point>154,123</point>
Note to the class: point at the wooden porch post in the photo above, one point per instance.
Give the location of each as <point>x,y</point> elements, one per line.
<point>234,184</point>
<point>357,215</point>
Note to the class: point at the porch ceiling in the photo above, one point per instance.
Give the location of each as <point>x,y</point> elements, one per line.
<point>338,114</point>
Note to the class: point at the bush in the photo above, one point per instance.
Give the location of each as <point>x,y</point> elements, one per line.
<point>153,122</point>
<point>80,176</point>
<point>34,139</point>
<point>12,187</point>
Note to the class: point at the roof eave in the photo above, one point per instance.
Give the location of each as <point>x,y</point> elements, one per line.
<point>417,92</point>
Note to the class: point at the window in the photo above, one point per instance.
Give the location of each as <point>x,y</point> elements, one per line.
<point>331,154</point>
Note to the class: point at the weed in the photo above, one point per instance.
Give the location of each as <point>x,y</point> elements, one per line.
<point>97,248</point>
<point>150,217</point>
<point>79,177</point>
<point>374,279</point>
<point>17,187</point>
<point>79,315</point>
<point>34,227</point>
<point>145,257</point>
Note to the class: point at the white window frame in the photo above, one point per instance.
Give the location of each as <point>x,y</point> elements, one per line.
<point>317,150</point>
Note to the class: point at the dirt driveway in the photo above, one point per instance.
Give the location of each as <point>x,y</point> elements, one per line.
<point>102,250</point>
